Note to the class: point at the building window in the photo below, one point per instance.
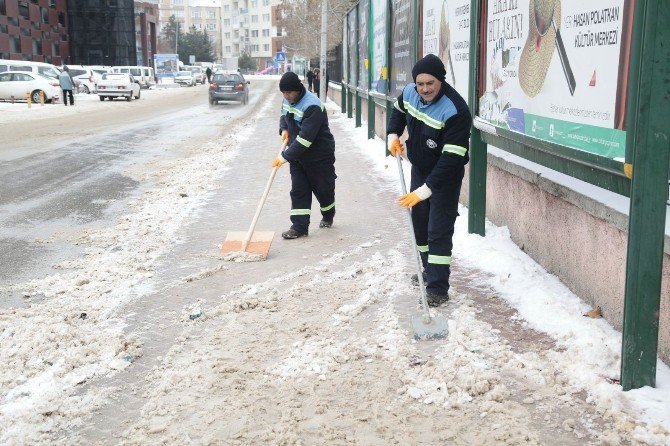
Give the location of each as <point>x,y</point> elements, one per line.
<point>226,8</point>
<point>266,47</point>
<point>266,33</point>
<point>44,12</point>
<point>211,27</point>
<point>177,2</point>
<point>179,15</point>
<point>14,44</point>
<point>52,3</point>
<point>195,14</point>
<point>23,10</point>
<point>37,46</point>
<point>254,33</point>
<point>211,14</point>
<point>254,48</point>
<point>227,35</point>
<point>266,17</point>
<point>266,2</point>
<point>254,19</point>
<point>3,9</point>
<point>254,3</point>
<point>61,18</point>
<point>279,32</point>
<point>228,49</point>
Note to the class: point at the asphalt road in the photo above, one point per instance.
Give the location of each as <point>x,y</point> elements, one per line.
<point>61,172</point>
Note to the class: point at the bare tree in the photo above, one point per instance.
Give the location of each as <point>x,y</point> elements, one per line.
<point>301,21</point>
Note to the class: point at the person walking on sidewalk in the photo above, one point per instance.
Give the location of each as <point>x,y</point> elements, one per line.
<point>310,79</point>
<point>66,85</point>
<point>208,73</point>
<point>310,151</point>
<point>438,121</point>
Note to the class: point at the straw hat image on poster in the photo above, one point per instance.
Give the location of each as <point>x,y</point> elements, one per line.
<point>543,37</point>
<point>445,43</point>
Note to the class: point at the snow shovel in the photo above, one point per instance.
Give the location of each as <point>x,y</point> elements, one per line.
<point>253,242</point>
<point>424,326</point>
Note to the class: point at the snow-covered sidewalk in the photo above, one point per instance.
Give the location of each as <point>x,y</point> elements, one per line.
<point>313,345</point>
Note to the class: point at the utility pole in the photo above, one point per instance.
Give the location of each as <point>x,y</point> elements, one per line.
<point>324,41</point>
<point>176,38</point>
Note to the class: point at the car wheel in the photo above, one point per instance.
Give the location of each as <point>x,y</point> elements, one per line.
<point>102,98</point>
<point>35,96</point>
<point>129,98</point>
<point>139,92</point>
<point>84,89</point>
<point>246,99</point>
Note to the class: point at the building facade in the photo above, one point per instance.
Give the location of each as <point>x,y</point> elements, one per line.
<point>102,32</point>
<point>205,15</point>
<point>146,31</point>
<point>34,30</point>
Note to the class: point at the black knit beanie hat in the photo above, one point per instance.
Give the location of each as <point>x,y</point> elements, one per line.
<point>290,82</point>
<point>431,64</point>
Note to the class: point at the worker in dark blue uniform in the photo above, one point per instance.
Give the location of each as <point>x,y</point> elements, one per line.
<point>438,122</point>
<point>310,150</point>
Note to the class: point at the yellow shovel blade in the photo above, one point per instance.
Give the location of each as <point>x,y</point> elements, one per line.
<point>259,244</point>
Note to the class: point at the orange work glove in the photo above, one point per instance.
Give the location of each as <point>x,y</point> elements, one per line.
<point>396,147</point>
<point>284,137</point>
<point>278,162</point>
<point>410,200</point>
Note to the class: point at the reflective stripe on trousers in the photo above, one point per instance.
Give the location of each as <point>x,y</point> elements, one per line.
<point>316,178</point>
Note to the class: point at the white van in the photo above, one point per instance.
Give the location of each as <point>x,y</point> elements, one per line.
<point>145,75</point>
<point>45,69</point>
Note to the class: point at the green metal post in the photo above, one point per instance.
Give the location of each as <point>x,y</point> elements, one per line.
<point>478,149</point>
<point>344,97</point>
<point>371,102</point>
<point>350,105</point>
<point>646,228</point>
<point>358,109</point>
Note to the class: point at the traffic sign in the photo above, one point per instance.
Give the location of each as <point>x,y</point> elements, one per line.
<point>280,56</point>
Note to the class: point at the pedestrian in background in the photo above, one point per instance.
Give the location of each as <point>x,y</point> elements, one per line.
<point>310,80</point>
<point>310,150</point>
<point>438,122</point>
<point>208,72</point>
<point>317,81</point>
<point>66,85</point>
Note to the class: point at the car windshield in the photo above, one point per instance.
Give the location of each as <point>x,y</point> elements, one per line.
<point>114,76</point>
<point>48,71</point>
<point>184,73</point>
<point>227,78</point>
<point>195,69</point>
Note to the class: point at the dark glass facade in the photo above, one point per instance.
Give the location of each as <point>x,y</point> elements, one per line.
<point>102,32</point>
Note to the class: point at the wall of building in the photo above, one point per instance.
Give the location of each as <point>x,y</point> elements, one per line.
<point>35,30</point>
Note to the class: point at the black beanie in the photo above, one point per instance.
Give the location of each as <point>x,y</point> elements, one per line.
<point>431,64</point>
<point>290,82</point>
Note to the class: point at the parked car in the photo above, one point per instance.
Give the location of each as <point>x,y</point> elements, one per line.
<point>17,83</point>
<point>45,69</point>
<point>84,77</point>
<point>226,86</point>
<point>118,85</point>
<point>185,78</point>
<point>144,75</point>
<point>199,73</point>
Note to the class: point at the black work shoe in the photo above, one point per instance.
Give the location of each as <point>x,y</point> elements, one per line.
<point>415,278</point>
<point>292,233</point>
<point>326,223</point>
<point>435,300</point>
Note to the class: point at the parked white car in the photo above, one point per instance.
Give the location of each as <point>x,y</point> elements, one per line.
<point>199,73</point>
<point>83,77</point>
<point>185,78</point>
<point>118,85</point>
<point>15,84</point>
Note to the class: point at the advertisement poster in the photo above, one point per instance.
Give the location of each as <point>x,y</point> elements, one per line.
<point>379,57</point>
<point>363,62</point>
<point>352,45</point>
<point>402,45</point>
<point>554,71</point>
<point>166,65</point>
<point>446,33</point>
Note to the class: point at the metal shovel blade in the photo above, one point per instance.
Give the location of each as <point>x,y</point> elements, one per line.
<point>259,244</point>
<point>432,328</point>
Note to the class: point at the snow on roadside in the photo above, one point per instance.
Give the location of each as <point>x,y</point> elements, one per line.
<point>73,334</point>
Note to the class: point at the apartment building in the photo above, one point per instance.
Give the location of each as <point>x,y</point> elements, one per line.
<point>205,15</point>
<point>235,26</point>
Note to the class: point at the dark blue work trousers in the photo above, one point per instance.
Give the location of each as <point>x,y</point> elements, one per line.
<point>433,221</point>
<point>307,178</point>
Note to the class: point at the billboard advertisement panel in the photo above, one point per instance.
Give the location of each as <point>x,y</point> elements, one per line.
<point>556,70</point>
